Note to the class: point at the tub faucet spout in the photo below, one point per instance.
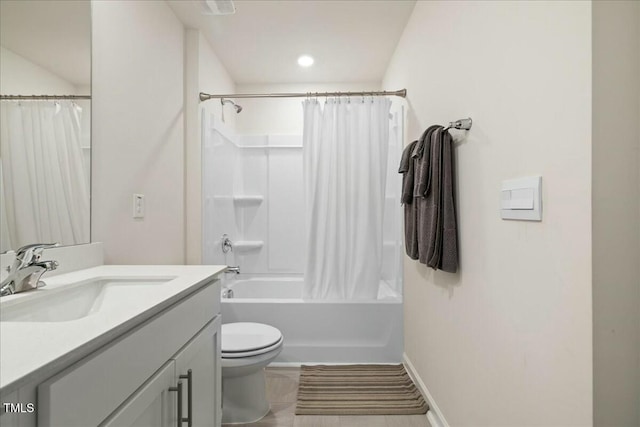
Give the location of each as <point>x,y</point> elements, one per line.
<point>235,269</point>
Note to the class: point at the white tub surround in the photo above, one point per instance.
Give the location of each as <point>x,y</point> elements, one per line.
<point>31,350</point>
<point>252,189</point>
<point>319,331</point>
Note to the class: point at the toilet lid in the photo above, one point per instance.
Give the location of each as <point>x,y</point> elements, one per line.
<point>242,337</point>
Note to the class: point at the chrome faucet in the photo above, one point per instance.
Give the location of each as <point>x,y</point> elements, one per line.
<point>26,270</point>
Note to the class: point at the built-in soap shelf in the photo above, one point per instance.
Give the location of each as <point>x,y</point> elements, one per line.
<point>248,245</point>
<point>247,200</point>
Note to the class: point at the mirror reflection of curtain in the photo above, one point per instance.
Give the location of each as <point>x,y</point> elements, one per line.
<point>345,160</point>
<point>45,196</point>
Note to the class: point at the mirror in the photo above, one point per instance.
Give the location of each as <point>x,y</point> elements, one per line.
<point>45,144</point>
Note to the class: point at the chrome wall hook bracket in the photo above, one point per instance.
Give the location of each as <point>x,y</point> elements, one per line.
<point>461,124</point>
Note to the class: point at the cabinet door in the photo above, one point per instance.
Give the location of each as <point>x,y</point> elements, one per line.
<point>202,357</point>
<point>7,418</point>
<point>153,405</point>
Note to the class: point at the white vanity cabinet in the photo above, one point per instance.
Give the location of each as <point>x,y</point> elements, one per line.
<point>133,381</point>
<point>156,402</point>
<point>153,405</point>
<point>201,379</point>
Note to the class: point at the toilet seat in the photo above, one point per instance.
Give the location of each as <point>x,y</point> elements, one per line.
<point>246,339</point>
<point>240,354</point>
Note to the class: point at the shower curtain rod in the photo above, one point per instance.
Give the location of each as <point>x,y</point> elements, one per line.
<point>33,97</point>
<point>402,93</point>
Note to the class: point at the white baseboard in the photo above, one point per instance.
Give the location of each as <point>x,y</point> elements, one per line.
<point>434,415</point>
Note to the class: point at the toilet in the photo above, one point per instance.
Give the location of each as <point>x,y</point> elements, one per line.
<point>246,349</point>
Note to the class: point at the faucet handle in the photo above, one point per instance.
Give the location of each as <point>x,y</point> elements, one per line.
<point>30,253</point>
<point>226,244</point>
<point>34,248</point>
<point>37,246</point>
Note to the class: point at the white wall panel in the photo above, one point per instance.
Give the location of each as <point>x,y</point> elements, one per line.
<point>287,232</point>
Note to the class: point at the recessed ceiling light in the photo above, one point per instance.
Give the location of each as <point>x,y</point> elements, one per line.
<point>305,61</point>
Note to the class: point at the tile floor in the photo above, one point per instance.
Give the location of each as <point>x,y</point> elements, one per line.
<point>282,388</point>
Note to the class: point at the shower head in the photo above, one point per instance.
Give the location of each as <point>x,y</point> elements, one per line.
<point>228,101</point>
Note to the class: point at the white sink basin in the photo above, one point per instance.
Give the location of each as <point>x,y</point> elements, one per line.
<point>74,301</point>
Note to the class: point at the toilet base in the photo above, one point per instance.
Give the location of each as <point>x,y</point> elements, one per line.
<point>244,398</point>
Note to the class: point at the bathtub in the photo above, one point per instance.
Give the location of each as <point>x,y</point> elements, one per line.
<point>319,331</point>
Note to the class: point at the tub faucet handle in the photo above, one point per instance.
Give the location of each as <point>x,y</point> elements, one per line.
<point>235,270</point>
<point>226,244</point>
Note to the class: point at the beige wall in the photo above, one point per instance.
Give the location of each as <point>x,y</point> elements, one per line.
<point>616,219</point>
<point>283,116</point>
<point>147,73</point>
<point>203,73</point>
<point>20,76</point>
<point>214,78</point>
<point>507,340</point>
<point>138,50</point>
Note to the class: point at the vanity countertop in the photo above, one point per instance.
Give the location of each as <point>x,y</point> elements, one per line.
<point>35,350</point>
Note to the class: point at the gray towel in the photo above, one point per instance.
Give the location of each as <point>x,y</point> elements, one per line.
<point>407,169</point>
<point>429,200</point>
<point>442,249</point>
<point>422,151</point>
<point>449,251</point>
<point>413,191</point>
<point>428,209</point>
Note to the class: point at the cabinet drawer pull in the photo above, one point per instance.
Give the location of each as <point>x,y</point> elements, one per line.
<point>178,389</point>
<point>189,378</point>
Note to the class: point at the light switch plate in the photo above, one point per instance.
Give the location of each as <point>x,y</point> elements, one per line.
<point>138,206</point>
<point>521,199</point>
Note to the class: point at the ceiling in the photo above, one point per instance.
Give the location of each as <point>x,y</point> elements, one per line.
<point>53,34</point>
<point>350,40</point>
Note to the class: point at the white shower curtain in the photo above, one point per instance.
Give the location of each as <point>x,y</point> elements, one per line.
<point>345,158</point>
<point>45,196</point>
